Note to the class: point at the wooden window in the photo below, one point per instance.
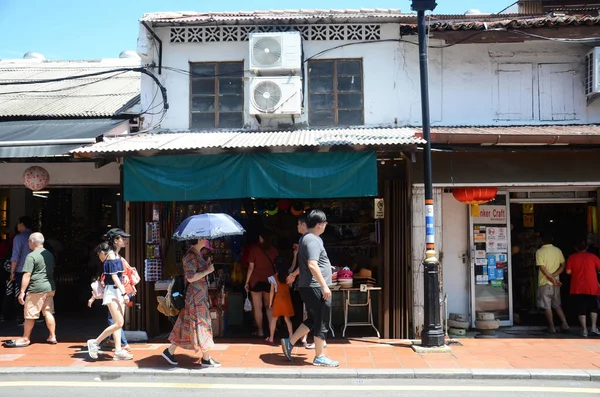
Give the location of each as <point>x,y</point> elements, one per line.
<point>217,95</point>
<point>513,92</point>
<point>335,92</point>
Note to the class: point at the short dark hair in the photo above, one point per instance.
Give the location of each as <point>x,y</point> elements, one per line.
<point>581,245</point>
<point>27,221</point>
<point>103,247</point>
<point>315,217</point>
<point>547,237</point>
<point>302,218</point>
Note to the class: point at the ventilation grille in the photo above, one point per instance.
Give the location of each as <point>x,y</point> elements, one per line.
<point>208,34</point>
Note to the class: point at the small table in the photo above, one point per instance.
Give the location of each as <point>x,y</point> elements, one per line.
<point>367,303</point>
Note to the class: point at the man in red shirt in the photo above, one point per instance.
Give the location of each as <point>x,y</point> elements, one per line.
<point>583,268</point>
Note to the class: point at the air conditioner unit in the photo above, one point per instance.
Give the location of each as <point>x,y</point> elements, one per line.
<point>275,96</point>
<point>275,53</point>
<point>592,72</point>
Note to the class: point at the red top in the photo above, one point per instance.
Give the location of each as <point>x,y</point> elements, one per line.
<point>584,267</point>
<point>263,263</point>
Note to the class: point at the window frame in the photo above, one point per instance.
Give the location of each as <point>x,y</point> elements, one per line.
<point>216,92</point>
<point>335,91</point>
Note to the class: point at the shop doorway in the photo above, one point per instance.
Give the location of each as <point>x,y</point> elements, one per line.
<point>568,222</point>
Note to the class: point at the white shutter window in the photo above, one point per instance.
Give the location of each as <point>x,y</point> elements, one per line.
<point>557,92</point>
<point>513,92</point>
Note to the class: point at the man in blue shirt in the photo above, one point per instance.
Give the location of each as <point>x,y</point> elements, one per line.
<point>20,251</point>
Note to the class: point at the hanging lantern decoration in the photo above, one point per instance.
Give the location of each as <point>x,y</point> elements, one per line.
<point>284,205</point>
<point>475,196</point>
<point>36,178</point>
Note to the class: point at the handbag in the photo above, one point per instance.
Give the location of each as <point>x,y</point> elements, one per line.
<point>97,289</point>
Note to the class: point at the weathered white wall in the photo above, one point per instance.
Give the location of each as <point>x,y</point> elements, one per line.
<point>463,79</point>
<point>63,174</point>
<point>455,258</point>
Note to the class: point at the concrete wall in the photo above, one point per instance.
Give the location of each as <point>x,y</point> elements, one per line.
<point>470,84</point>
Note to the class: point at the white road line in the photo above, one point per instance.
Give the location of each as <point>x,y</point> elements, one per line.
<point>296,387</point>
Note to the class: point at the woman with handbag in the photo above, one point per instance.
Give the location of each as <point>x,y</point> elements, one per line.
<point>261,265</point>
<point>193,328</point>
<point>114,298</point>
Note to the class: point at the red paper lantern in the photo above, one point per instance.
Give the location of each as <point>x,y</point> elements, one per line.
<point>475,196</point>
<point>284,205</point>
<point>36,178</point>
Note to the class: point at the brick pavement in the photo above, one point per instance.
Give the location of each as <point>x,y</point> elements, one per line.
<point>554,354</point>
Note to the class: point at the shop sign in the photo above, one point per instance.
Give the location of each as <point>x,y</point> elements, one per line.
<point>491,214</point>
<point>379,208</point>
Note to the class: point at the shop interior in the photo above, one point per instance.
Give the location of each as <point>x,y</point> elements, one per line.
<point>568,222</point>
<point>72,221</point>
<point>352,239</point>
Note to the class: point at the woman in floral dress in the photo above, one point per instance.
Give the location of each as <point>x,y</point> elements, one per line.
<point>193,330</point>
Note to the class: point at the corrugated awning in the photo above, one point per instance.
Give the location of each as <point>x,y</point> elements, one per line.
<point>229,140</point>
<point>48,138</point>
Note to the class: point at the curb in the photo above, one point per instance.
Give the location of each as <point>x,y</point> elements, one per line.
<point>318,373</point>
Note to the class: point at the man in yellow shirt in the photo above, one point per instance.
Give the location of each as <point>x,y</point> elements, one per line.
<point>551,263</point>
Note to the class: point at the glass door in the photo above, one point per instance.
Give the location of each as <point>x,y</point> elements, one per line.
<point>491,286</point>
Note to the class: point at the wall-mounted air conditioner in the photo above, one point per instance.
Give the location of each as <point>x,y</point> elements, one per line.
<point>592,72</point>
<point>275,96</point>
<point>275,53</point>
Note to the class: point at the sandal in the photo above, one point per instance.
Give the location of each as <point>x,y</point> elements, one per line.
<point>14,343</point>
<point>52,341</point>
<point>270,342</point>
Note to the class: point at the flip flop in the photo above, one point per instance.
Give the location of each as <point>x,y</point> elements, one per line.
<point>13,343</point>
<point>52,342</point>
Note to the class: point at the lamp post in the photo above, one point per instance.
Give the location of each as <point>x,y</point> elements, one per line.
<point>433,334</point>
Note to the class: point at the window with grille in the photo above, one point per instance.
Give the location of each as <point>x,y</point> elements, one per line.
<point>335,92</point>
<point>217,95</point>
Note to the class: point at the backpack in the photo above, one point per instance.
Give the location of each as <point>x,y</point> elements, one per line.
<point>178,289</point>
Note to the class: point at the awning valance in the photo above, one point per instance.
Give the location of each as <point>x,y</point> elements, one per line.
<point>47,138</point>
<point>259,175</point>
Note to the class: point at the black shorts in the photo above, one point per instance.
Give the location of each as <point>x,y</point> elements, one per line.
<point>261,286</point>
<point>318,311</point>
<point>584,304</point>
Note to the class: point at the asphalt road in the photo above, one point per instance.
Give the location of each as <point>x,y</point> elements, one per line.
<point>149,386</point>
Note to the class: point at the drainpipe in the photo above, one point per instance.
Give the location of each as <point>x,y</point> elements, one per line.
<point>149,29</point>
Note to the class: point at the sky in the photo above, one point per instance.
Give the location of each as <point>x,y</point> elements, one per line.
<point>76,29</point>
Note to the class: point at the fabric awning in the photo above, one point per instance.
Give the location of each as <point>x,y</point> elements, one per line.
<point>259,175</point>
<point>47,138</point>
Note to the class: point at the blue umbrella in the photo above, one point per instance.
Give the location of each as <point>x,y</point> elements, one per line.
<point>208,226</point>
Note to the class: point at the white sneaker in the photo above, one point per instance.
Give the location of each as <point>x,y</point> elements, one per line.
<point>123,355</point>
<point>93,348</point>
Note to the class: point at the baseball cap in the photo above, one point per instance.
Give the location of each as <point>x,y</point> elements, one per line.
<point>117,232</point>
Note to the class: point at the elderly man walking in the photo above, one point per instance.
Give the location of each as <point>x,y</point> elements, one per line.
<point>37,291</point>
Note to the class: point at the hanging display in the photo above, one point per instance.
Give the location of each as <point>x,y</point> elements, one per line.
<point>36,178</point>
<point>475,196</point>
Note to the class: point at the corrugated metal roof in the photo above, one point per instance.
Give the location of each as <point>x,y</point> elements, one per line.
<point>244,139</point>
<point>189,17</point>
<point>521,130</point>
<point>97,96</point>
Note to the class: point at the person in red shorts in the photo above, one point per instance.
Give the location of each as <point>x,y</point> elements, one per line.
<point>583,268</point>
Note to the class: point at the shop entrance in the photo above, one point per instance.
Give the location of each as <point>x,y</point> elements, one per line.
<point>569,219</point>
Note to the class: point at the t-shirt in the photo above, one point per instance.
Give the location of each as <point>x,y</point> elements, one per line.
<point>263,263</point>
<point>311,248</point>
<point>20,249</point>
<point>584,268</point>
<point>551,258</point>
<point>40,263</point>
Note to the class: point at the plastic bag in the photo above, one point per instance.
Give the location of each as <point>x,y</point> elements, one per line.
<point>97,289</point>
<point>247,305</point>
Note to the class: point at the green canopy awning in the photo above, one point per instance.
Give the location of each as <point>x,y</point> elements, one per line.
<point>262,175</point>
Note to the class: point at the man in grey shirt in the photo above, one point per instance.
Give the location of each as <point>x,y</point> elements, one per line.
<point>315,276</point>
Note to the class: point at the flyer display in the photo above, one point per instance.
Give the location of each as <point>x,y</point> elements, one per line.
<point>491,259</point>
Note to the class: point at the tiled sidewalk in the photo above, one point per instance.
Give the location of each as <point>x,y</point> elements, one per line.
<point>353,354</point>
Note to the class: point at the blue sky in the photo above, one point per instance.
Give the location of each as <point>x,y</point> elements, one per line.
<point>75,29</point>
